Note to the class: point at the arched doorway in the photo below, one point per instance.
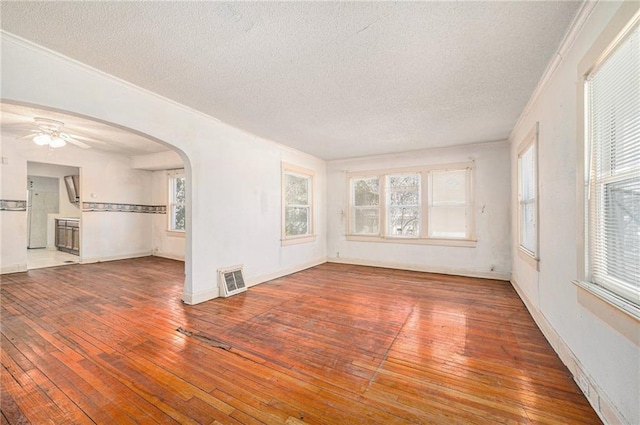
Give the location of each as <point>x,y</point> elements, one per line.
<point>122,176</point>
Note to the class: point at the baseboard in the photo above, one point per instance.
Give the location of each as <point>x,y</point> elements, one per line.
<point>602,405</point>
<point>255,280</point>
<point>90,260</point>
<point>422,268</point>
<point>200,297</point>
<point>168,255</point>
<point>14,268</point>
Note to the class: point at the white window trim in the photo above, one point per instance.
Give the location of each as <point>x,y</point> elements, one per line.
<point>175,233</point>
<point>627,17</point>
<point>530,141</point>
<point>470,241</point>
<point>311,236</point>
<point>170,175</point>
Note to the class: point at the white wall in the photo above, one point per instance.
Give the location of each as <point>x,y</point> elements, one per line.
<point>233,178</point>
<point>13,224</point>
<point>599,344</point>
<point>104,177</point>
<point>490,258</point>
<point>167,160</point>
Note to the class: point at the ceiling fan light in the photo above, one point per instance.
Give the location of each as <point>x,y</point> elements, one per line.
<point>42,139</point>
<point>57,142</point>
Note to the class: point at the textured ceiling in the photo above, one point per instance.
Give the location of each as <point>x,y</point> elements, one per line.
<point>335,79</point>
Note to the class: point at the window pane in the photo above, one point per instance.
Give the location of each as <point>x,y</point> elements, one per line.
<point>177,217</point>
<point>366,192</point>
<point>404,205</point>
<point>366,221</point>
<point>178,190</point>
<point>296,190</point>
<point>177,196</point>
<point>527,232</point>
<point>447,206</point>
<point>527,193</point>
<point>449,186</point>
<point>404,190</point>
<point>404,221</point>
<point>621,236</point>
<point>296,221</point>
<point>527,175</point>
<point>448,222</point>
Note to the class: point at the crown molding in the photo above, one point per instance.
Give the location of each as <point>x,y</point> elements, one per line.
<point>567,42</point>
<point>413,153</point>
<point>6,36</point>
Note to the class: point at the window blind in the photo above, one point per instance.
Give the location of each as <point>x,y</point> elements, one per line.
<point>614,186</point>
<point>448,204</point>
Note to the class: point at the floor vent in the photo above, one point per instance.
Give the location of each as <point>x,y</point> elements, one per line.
<point>231,281</point>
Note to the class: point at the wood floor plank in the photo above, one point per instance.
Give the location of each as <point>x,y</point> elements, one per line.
<point>334,344</point>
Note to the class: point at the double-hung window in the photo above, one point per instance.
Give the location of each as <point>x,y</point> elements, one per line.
<point>297,204</point>
<point>403,204</point>
<point>176,200</point>
<point>449,204</point>
<point>421,205</point>
<point>365,201</point>
<point>612,115</point>
<point>527,196</point>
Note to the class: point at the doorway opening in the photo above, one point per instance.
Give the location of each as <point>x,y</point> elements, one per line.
<point>53,215</point>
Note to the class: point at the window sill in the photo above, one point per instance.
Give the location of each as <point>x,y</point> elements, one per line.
<point>295,240</point>
<point>609,297</point>
<point>529,258</point>
<point>468,243</point>
<point>176,233</point>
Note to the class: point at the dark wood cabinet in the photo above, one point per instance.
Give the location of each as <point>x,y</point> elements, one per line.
<point>68,235</point>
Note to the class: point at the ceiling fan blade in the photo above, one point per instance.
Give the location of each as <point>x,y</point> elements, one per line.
<point>27,136</point>
<point>88,139</point>
<point>73,141</point>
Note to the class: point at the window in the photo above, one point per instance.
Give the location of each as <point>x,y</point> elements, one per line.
<point>448,204</point>
<point>297,204</point>
<point>365,199</point>
<point>177,201</point>
<point>424,205</point>
<point>403,205</point>
<point>528,194</point>
<point>612,99</point>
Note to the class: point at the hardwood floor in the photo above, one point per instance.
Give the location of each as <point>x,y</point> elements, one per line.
<point>336,344</point>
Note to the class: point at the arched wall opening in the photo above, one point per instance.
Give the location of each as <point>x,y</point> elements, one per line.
<point>102,168</point>
<point>234,178</point>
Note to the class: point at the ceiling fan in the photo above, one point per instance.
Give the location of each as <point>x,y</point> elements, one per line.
<point>48,133</point>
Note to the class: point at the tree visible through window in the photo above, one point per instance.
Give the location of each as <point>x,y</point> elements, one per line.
<point>177,199</point>
<point>404,205</point>
<point>366,206</point>
<point>297,203</point>
<point>424,203</point>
